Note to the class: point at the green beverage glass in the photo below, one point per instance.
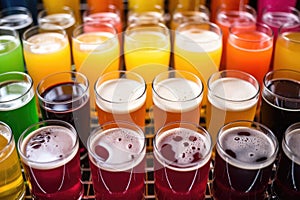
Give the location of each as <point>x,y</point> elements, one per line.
<point>11,55</point>
<point>18,106</point>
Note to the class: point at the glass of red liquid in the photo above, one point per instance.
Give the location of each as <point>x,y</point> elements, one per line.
<point>117,159</point>
<point>182,154</point>
<point>245,153</point>
<point>280,106</point>
<point>49,152</point>
<point>65,96</point>
<point>287,181</point>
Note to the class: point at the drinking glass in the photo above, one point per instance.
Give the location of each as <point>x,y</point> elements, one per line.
<point>50,157</point>
<point>280,100</point>
<point>62,17</point>
<point>11,54</point>
<point>249,49</point>
<point>232,95</point>
<point>65,96</point>
<point>11,179</point>
<point>198,49</point>
<point>121,95</point>
<point>245,154</point>
<point>147,52</point>
<point>177,96</point>
<point>117,153</point>
<point>18,108</point>
<point>287,48</point>
<point>18,18</point>
<point>45,52</point>
<point>182,154</point>
<point>287,180</point>
<point>243,16</point>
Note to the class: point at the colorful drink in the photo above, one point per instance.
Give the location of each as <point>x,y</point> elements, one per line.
<point>280,100</point>
<point>176,99</point>
<point>232,95</point>
<point>11,55</point>
<point>287,48</point>
<point>66,99</point>
<point>46,52</point>
<point>182,154</point>
<point>250,50</point>
<point>287,182</point>
<point>50,157</point>
<point>140,6</point>
<point>116,153</point>
<point>11,179</point>
<point>245,153</point>
<point>17,102</point>
<point>121,96</point>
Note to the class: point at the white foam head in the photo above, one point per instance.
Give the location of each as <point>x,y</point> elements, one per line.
<point>121,96</point>
<point>177,95</point>
<point>117,149</point>
<point>49,147</point>
<point>246,148</point>
<point>232,94</point>
<point>184,147</point>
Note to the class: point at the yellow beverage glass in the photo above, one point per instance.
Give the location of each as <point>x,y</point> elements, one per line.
<point>145,6</point>
<point>198,49</point>
<point>96,50</point>
<point>287,50</point>
<point>46,52</point>
<point>147,52</point>
<point>11,180</point>
<point>54,6</point>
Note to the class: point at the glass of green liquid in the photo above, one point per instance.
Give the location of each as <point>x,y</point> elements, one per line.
<point>18,106</point>
<point>11,54</point>
<point>11,180</point>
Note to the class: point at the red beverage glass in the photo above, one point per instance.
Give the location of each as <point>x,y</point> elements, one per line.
<point>117,159</point>
<point>245,153</point>
<point>182,153</point>
<point>49,152</point>
<point>287,181</point>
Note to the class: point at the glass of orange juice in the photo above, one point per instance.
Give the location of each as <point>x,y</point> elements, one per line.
<point>96,50</point>
<point>198,49</point>
<point>147,52</point>
<point>249,49</point>
<point>287,48</point>
<point>46,51</point>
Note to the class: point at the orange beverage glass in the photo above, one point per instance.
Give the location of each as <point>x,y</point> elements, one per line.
<point>103,5</point>
<point>250,49</point>
<point>244,16</point>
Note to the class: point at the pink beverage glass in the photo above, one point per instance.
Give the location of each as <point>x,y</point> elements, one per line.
<point>182,153</point>
<point>245,153</point>
<point>112,16</point>
<point>49,152</point>
<point>276,4</point>
<point>275,17</point>
<point>117,159</point>
<point>245,16</point>
<point>287,181</point>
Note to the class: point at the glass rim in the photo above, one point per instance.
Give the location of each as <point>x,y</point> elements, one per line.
<point>119,124</point>
<point>16,8</point>
<point>75,35</point>
<point>48,123</point>
<point>254,125</point>
<point>238,72</point>
<point>15,33</point>
<point>288,26</point>
<point>245,8</point>
<point>270,73</point>
<point>121,72</point>
<point>61,11</point>
<point>28,79</point>
<point>35,29</point>
<point>180,72</point>
<point>219,31</point>
<point>183,167</point>
<point>270,35</point>
<point>10,140</point>
<point>285,143</point>
<point>73,74</point>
